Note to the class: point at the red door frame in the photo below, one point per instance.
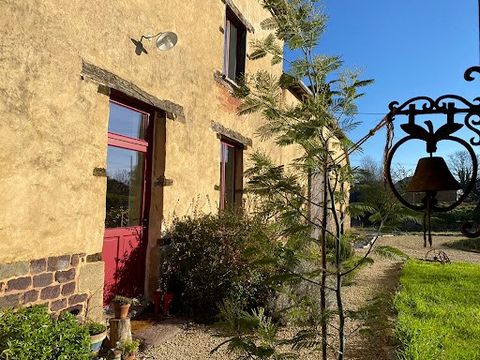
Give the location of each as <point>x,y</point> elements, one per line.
<point>145,146</point>
<point>225,144</point>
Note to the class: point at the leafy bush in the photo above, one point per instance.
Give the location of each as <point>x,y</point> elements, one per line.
<point>390,252</point>
<point>465,244</point>
<point>211,258</point>
<point>123,300</point>
<point>129,347</point>
<point>95,328</point>
<point>346,248</point>
<point>31,333</point>
<point>452,220</point>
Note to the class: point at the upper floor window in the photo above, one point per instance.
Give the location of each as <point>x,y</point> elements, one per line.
<point>235,46</point>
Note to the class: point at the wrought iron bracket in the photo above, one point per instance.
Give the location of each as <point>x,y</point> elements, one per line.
<point>452,107</point>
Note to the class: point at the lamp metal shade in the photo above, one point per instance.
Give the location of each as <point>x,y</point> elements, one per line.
<point>432,174</point>
<point>166,41</point>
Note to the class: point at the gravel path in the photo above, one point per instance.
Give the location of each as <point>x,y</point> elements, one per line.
<point>412,245</point>
<point>193,342</point>
<point>378,279</point>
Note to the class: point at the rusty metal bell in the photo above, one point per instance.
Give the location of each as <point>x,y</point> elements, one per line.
<point>431,175</point>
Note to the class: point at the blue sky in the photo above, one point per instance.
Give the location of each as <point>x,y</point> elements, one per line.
<point>410,48</point>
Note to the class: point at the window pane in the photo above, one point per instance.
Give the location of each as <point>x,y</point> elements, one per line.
<point>228,162</point>
<point>127,122</point>
<point>124,187</point>
<point>232,51</point>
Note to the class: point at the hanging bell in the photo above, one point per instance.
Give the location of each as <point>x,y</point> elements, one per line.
<point>432,175</point>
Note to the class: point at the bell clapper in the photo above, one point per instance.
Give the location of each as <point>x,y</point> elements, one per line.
<point>429,200</point>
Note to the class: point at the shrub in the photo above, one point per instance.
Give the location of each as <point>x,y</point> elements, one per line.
<point>211,258</point>
<point>95,328</point>
<point>346,248</point>
<point>472,245</point>
<point>31,333</point>
<point>128,347</point>
<point>390,252</point>
<point>123,300</point>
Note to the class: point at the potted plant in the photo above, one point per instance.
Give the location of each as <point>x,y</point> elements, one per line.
<point>128,349</point>
<point>121,306</point>
<point>98,333</point>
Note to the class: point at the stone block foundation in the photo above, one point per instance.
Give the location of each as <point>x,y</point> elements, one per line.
<point>63,283</point>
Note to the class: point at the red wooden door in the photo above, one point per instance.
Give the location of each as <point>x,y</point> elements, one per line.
<point>126,219</point>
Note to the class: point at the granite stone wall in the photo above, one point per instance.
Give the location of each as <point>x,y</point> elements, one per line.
<point>54,281</point>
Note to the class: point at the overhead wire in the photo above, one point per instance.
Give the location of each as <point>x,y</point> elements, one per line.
<point>386,120</point>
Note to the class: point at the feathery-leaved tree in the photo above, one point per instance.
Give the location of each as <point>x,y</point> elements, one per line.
<point>307,198</point>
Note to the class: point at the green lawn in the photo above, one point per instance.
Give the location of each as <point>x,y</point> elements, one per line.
<point>439,311</point>
<point>466,244</point>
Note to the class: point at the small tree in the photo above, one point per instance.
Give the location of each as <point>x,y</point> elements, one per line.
<point>317,125</point>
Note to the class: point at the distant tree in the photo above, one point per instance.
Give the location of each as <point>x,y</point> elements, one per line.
<point>373,202</point>
<point>461,166</point>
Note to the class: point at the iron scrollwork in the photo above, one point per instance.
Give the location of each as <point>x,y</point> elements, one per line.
<point>450,106</point>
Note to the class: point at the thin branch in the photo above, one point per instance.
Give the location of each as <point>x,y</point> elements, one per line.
<point>372,243</point>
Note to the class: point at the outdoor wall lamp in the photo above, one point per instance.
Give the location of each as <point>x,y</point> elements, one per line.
<point>164,42</point>
<point>432,174</point>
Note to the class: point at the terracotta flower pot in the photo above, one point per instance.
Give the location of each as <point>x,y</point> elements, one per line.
<point>130,357</point>
<point>121,310</point>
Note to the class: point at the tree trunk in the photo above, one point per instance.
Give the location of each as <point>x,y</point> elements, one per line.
<point>338,264</point>
<point>323,283</point>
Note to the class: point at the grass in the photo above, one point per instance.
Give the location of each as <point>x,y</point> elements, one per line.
<point>465,244</point>
<point>390,252</point>
<point>439,311</point>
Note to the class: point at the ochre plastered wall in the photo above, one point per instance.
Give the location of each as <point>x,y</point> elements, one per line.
<point>53,124</point>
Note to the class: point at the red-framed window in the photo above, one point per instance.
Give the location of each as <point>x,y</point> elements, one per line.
<point>231,174</point>
<point>127,155</point>
<point>235,46</point>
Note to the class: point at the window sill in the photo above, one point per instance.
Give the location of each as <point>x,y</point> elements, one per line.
<point>223,80</point>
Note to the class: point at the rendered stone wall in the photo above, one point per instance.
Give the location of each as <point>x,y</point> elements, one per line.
<point>53,123</point>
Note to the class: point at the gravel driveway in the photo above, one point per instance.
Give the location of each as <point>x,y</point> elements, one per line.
<point>412,245</point>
